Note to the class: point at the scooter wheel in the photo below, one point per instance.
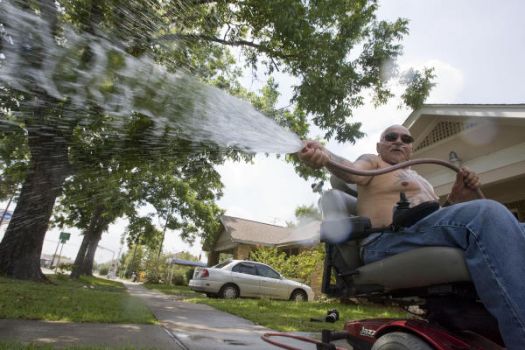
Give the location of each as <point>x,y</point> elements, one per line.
<point>400,341</point>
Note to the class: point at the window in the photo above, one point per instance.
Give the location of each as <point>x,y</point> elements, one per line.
<point>265,271</point>
<point>222,264</point>
<point>248,269</point>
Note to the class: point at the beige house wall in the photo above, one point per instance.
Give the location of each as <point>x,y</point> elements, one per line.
<point>242,251</point>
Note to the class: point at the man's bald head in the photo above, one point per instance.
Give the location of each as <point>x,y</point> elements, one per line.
<point>395,145</point>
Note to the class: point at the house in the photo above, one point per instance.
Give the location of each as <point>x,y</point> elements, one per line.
<point>47,259</point>
<point>239,237</point>
<point>489,139</point>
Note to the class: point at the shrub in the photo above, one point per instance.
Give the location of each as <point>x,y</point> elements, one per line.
<point>178,279</point>
<point>299,266</point>
<point>103,271</point>
<point>63,267</point>
<point>189,275</point>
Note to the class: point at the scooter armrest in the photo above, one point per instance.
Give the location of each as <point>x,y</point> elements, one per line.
<point>345,229</point>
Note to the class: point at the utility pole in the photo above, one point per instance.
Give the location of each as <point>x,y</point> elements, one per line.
<point>64,237</point>
<point>164,234</point>
<point>54,255</point>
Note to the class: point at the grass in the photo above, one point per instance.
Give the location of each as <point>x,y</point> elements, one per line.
<point>89,299</point>
<point>181,292</point>
<point>286,316</point>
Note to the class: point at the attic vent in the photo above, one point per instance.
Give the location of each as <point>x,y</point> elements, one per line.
<point>442,131</point>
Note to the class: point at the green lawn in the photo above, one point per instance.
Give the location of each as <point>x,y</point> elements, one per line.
<point>86,300</point>
<point>285,316</point>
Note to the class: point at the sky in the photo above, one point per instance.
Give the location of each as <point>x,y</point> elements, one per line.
<point>477,50</point>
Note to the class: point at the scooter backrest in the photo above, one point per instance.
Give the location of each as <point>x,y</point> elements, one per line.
<point>339,202</point>
<point>336,204</point>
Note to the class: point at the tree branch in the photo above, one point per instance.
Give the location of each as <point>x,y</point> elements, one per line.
<point>200,2</point>
<point>259,46</point>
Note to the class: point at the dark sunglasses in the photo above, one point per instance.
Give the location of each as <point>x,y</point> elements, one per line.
<point>393,136</point>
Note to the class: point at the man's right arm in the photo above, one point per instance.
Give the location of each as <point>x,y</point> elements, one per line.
<point>316,156</point>
<point>364,162</point>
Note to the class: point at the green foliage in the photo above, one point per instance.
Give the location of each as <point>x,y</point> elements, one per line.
<point>157,269</point>
<point>178,279</point>
<point>300,266</point>
<point>419,86</point>
<point>189,274</point>
<point>307,212</point>
<point>65,267</point>
<point>104,270</point>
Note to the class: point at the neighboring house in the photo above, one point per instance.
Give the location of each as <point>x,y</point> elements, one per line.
<point>239,237</point>
<point>489,139</point>
<point>47,259</point>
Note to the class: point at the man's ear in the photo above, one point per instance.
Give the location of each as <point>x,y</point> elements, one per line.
<point>377,148</point>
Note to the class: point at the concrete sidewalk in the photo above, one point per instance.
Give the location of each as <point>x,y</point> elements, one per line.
<point>62,334</point>
<point>199,326</point>
<point>202,327</point>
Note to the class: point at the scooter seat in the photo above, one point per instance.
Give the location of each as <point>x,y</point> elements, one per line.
<point>420,267</point>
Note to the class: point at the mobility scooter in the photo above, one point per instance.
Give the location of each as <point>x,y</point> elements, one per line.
<point>433,280</point>
<point>433,283</point>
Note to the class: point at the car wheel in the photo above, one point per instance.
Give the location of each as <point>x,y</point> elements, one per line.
<point>400,341</point>
<point>229,291</point>
<point>299,295</point>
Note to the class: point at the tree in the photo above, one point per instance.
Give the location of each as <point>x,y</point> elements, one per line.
<point>307,212</point>
<point>337,48</point>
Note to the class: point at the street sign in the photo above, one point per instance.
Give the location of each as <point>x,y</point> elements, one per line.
<point>64,237</point>
<point>6,213</point>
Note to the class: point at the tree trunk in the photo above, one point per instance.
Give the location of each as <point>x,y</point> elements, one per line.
<point>87,266</point>
<point>75,272</point>
<point>86,254</point>
<point>21,246</point>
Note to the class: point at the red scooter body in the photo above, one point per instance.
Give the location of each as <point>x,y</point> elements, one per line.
<point>362,334</point>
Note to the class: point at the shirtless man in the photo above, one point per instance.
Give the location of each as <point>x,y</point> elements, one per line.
<point>379,194</point>
<point>492,239</point>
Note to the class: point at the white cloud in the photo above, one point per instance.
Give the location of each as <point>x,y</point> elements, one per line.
<point>268,190</point>
<point>449,80</point>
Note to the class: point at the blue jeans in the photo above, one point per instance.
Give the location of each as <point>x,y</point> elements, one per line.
<point>494,245</point>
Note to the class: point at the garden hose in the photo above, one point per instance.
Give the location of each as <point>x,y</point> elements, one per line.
<point>399,166</point>
<point>266,337</point>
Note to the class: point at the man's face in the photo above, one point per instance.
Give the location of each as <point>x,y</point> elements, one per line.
<point>395,145</point>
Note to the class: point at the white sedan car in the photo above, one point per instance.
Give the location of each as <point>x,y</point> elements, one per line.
<point>241,278</point>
